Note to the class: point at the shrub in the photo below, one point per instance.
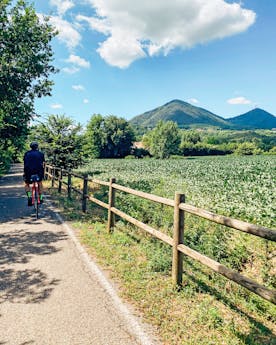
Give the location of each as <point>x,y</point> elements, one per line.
<point>247,149</point>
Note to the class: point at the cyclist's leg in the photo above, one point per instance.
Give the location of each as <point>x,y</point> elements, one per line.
<point>27,181</point>
<point>40,187</point>
<point>27,187</point>
<point>28,191</point>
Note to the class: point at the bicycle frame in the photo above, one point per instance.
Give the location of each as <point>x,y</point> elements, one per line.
<point>35,194</point>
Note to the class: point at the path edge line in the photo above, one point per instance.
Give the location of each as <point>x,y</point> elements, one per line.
<point>133,325</point>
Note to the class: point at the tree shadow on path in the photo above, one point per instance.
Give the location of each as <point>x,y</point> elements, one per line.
<point>26,285</point>
<point>20,246</point>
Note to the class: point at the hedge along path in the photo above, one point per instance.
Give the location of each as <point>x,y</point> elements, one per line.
<point>180,207</point>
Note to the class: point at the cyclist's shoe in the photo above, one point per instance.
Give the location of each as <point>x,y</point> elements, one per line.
<point>30,201</point>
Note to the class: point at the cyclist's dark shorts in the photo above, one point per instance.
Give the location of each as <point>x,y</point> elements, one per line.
<point>27,178</point>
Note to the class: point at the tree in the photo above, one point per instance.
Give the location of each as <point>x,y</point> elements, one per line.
<point>190,136</point>
<point>94,136</point>
<point>61,141</point>
<point>25,67</point>
<point>163,141</point>
<point>109,137</point>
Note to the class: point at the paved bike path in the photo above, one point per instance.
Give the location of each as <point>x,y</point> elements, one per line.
<point>48,292</point>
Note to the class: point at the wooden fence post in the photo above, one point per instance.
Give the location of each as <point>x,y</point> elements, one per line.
<point>111,203</point>
<point>84,193</point>
<point>178,237</point>
<point>60,181</point>
<point>53,176</point>
<point>45,170</point>
<point>69,185</point>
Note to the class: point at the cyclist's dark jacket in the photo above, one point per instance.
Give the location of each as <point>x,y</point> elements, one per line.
<point>33,164</point>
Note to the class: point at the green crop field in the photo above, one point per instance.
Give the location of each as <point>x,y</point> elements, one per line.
<point>240,187</point>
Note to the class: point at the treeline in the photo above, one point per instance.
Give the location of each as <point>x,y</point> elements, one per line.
<point>166,139</point>
<point>69,145</point>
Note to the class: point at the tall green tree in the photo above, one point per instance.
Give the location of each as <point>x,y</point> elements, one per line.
<point>25,66</point>
<point>108,137</point>
<point>94,136</point>
<point>163,141</point>
<point>61,141</point>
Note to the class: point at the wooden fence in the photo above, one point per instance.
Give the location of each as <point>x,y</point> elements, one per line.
<point>177,241</point>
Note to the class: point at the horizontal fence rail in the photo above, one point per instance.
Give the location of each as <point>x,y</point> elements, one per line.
<point>176,242</point>
<point>256,230</point>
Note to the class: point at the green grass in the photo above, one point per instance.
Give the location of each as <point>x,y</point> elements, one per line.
<point>207,310</point>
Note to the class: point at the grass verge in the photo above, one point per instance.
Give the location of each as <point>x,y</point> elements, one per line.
<point>208,309</point>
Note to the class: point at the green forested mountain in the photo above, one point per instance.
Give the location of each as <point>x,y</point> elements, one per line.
<point>254,119</point>
<point>190,116</point>
<point>183,113</point>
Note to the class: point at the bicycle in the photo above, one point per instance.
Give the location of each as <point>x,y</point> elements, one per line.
<point>35,194</point>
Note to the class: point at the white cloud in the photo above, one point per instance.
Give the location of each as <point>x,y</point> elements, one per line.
<point>66,32</point>
<point>86,101</point>
<point>56,106</point>
<point>62,5</point>
<point>239,100</point>
<point>130,50</point>
<point>77,60</point>
<point>139,28</point>
<point>193,100</point>
<point>70,70</point>
<point>100,25</point>
<point>78,87</point>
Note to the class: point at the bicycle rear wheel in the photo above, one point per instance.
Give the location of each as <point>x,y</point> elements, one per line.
<point>36,205</point>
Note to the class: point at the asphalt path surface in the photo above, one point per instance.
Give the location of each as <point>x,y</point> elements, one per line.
<point>51,292</point>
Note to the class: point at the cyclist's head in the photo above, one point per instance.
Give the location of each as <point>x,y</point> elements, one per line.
<point>34,145</point>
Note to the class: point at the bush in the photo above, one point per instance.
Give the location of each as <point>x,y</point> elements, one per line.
<point>140,152</point>
<point>201,149</point>
<point>6,158</point>
<point>272,151</point>
<point>247,149</point>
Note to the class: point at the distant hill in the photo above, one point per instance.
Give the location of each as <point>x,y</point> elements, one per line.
<point>254,119</point>
<point>183,113</point>
<point>187,115</point>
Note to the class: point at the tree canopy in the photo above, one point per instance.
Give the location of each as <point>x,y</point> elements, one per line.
<point>61,141</point>
<point>163,141</point>
<point>25,66</point>
<point>108,137</point>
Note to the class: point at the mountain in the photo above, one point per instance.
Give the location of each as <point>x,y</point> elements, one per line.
<point>254,119</point>
<point>187,115</point>
<point>184,114</point>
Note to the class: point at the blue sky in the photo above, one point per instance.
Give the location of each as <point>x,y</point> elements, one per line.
<point>125,57</point>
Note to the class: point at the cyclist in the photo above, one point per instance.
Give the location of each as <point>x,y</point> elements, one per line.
<point>33,165</point>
